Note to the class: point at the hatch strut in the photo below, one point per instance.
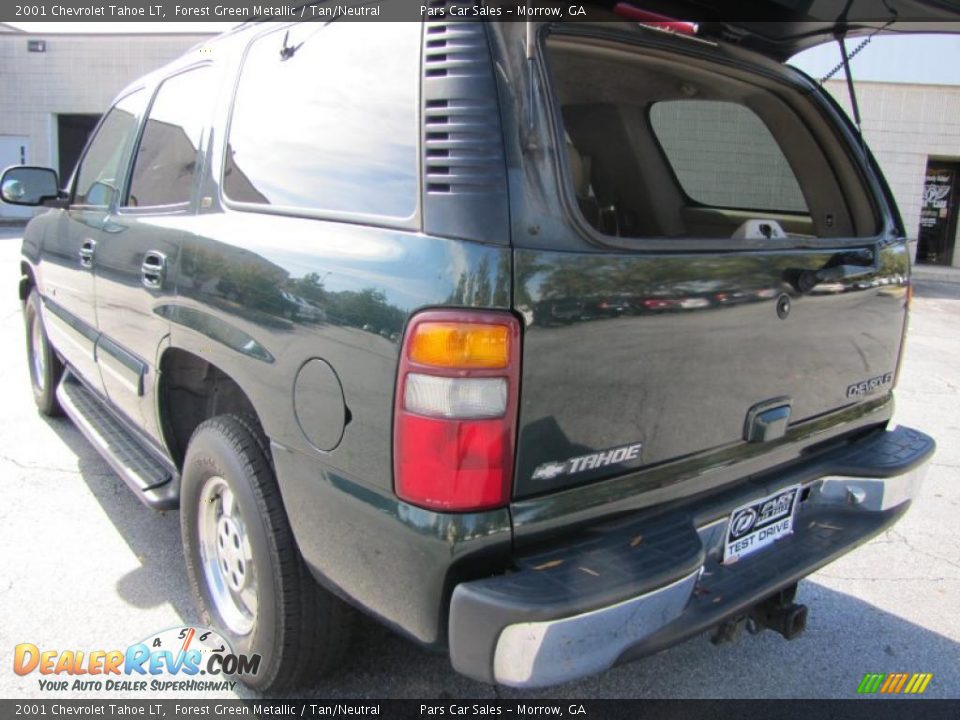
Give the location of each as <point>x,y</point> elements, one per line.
<point>851,56</point>
<point>851,88</point>
<point>841,35</point>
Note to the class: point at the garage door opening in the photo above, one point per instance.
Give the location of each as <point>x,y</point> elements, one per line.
<point>72,133</point>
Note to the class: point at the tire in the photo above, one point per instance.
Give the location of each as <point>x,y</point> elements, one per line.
<point>260,595</point>
<point>44,366</point>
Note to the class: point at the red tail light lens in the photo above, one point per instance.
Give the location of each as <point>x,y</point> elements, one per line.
<point>455,410</point>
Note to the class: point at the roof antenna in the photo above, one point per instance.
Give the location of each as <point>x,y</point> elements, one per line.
<point>288,51</point>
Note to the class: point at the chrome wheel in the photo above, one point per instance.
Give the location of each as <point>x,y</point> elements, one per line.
<point>226,556</point>
<point>38,365</point>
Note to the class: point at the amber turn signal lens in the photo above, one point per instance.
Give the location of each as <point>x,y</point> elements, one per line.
<point>460,345</point>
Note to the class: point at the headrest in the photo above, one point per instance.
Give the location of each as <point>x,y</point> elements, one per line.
<point>579,170</point>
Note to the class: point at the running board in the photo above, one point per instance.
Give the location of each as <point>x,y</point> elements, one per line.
<point>155,482</point>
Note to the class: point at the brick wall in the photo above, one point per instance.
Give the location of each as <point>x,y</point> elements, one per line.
<point>76,74</point>
<point>904,126</point>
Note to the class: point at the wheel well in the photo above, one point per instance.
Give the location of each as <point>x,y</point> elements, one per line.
<point>193,390</point>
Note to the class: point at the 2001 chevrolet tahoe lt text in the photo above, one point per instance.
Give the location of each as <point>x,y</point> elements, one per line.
<point>549,345</point>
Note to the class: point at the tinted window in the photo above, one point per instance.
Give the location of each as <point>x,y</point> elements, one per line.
<point>329,124</point>
<point>104,164</point>
<point>724,156</point>
<point>166,161</point>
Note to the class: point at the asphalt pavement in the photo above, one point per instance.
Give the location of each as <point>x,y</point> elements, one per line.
<point>84,565</point>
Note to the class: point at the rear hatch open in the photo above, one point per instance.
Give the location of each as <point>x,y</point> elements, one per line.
<point>742,273</point>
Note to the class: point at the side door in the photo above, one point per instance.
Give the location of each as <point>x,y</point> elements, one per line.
<point>70,251</point>
<point>137,258</point>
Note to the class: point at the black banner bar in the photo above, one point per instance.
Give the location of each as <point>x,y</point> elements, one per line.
<point>862,709</point>
<point>234,11</point>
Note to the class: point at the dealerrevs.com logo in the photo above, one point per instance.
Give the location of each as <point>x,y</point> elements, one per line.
<point>179,659</point>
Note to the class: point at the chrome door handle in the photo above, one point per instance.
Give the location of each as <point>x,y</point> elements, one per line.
<point>153,270</point>
<point>87,250</point>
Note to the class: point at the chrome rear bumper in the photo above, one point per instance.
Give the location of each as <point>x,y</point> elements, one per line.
<point>500,632</point>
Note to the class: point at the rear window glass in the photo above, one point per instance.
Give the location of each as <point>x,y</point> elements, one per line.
<point>724,156</point>
<point>325,120</point>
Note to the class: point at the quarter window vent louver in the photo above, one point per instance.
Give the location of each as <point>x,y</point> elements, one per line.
<point>464,171</point>
<point>463,149</point>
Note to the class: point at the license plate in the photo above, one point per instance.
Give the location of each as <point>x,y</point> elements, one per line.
<point>760,523</point>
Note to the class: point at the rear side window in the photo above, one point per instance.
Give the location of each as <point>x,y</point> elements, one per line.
<point>724,156</point>
<point>166,162</point>
<point>326,120</point>
<point>104,164</point>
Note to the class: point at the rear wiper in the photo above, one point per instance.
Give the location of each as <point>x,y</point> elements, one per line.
<point>841,266</point>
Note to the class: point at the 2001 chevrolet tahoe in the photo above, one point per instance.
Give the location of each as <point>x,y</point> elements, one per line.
<point>547,344</point>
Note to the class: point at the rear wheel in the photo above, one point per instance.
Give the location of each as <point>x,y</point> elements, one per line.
<point>44,365</point>
<point>245,568</point>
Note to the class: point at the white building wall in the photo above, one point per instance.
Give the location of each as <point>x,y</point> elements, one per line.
<point>905,125</point>
<point>76,74</point>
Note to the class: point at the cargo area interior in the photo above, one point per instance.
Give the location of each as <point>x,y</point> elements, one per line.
<point>658,146</point>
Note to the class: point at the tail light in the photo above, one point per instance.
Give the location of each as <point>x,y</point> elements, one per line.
<point>455,410</point>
